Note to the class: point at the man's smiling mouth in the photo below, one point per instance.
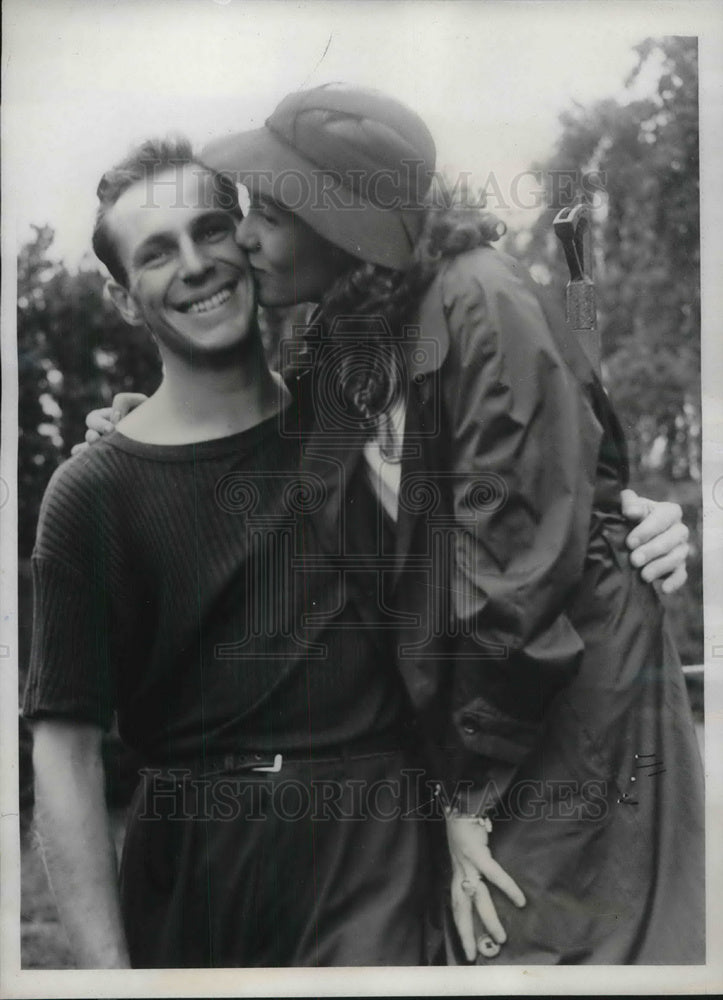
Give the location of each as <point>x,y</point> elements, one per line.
<point>212,302</point>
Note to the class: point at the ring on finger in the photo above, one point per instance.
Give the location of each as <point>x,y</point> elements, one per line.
<point>487,947</point>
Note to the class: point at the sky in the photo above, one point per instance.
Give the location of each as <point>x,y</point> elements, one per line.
<point>86,79</point>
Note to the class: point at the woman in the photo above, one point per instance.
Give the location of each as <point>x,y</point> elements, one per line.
<point>355,168</point>
<point>563,703</point>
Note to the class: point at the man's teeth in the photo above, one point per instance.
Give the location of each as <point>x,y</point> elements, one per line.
<point>211,303</point>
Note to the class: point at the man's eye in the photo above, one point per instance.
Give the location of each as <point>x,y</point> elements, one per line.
<point>213,231</point>
<point>155,256</point>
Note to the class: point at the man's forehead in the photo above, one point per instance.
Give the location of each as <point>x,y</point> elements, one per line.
<point>168,199</point>
<point>188,186</point>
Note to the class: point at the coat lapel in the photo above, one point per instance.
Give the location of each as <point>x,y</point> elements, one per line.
<point>425,351</point>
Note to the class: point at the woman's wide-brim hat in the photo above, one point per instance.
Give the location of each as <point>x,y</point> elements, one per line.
<point>353,163</point>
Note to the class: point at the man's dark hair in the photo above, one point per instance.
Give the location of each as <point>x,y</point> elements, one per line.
<point>145,161</point>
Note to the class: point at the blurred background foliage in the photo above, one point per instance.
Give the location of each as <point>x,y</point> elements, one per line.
<point>634,161</point>
<point>636,164</point>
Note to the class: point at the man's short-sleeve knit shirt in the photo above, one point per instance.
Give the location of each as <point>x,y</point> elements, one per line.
<point>195,589</point>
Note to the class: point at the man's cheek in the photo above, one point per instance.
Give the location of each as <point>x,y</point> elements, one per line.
<point>140,287</point>
<point>230,253</point>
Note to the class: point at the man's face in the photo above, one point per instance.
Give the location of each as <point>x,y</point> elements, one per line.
<point>187,277</point>
<point>290,261</point>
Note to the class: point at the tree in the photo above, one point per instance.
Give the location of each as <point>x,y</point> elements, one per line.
<point>636,164</point>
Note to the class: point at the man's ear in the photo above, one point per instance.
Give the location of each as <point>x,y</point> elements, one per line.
<point>123,301</point>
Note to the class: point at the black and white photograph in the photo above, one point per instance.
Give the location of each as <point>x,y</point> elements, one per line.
<point>361,497</point>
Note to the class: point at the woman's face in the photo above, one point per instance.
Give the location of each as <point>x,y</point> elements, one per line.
<point>290,262</point>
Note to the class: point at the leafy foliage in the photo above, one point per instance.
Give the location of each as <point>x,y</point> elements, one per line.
<point>636,164</point>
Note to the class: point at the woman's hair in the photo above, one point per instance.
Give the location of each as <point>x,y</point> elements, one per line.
<point>367,290</point>
<point>373,290</point>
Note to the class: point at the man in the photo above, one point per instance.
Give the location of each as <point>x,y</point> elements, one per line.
<point>185,579</point>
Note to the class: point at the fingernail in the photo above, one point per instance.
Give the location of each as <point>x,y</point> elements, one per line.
<point>115,416</point>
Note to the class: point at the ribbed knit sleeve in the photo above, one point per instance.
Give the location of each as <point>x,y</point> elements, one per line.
<point>71,669</point>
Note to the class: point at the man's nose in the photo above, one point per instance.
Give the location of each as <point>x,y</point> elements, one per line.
<point>195,264</point>
<point>245,235</point>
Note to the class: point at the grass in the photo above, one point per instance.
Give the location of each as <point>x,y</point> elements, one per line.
<point>43,944</point>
